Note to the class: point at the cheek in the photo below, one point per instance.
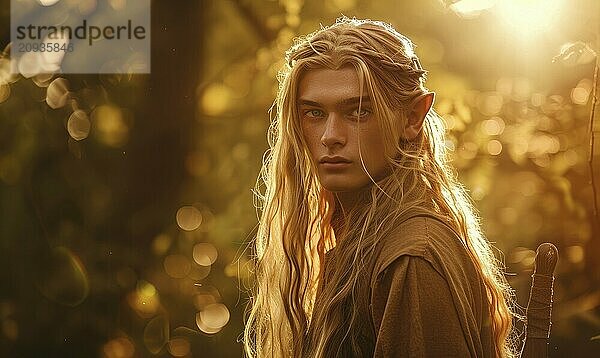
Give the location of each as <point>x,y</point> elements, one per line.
<point>373,151</point>
<point>372,144</point>
<point>311,139</point>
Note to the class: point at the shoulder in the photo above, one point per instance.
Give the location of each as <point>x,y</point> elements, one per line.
<point>427,239</point>
<point>424,271</point>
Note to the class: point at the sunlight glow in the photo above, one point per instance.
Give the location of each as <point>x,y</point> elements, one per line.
<point>529,16</point>
<point>471,8</point>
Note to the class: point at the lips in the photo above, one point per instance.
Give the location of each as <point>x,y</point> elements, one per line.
<point>334,160</point>
<point>335,163</point>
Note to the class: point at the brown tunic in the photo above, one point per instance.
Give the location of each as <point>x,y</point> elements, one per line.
<point>422,297</point>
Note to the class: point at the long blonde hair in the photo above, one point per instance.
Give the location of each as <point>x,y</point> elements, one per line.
<point>295,227</point>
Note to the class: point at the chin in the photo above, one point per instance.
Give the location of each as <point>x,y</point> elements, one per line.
<point>341,185</point>
<point>337,188</point>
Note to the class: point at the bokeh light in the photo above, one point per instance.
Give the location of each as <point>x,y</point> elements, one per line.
<point>493,126</point>
<point>78,125</point>
<point>581,93</point>
<point>110,126</point>
<point>144,300</point>
<point>523,256</point>
<point>57,93</point>
<point>47,2</point>
<point>575,254</point>
<point>212,318</point>
<point>205,254</point>
<point>494,147</point>
<point>189,218</point>
<point>471,8</point>
<point>121,347</point>
<point>215,99</point>
<point>63,278</point>
<point>156,334</point>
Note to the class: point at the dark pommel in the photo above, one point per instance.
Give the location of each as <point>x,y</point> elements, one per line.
<point>545,259</point>
<point>539,308</point>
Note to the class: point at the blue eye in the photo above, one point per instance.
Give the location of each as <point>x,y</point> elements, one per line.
<point>314,113</point>
<point>363,112</point>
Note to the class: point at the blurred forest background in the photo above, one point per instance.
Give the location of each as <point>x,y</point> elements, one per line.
<point>126,203</point>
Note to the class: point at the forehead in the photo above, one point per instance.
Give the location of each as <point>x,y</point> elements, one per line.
<point>325,85</point>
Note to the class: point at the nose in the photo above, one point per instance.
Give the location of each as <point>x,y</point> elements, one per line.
<point>333,133</point>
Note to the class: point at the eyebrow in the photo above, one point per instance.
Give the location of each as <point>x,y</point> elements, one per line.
<point>344,102</point>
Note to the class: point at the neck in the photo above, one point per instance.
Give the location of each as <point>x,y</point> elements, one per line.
<point>345,203</point>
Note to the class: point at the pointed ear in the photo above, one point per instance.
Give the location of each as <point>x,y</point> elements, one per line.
<point>417,115</point>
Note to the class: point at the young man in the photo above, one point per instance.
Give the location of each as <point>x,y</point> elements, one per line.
<point>367,246</point>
